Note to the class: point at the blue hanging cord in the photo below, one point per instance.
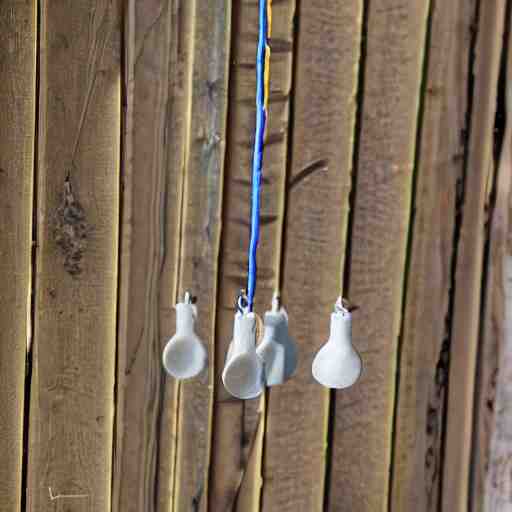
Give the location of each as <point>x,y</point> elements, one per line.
<point>257,162</point>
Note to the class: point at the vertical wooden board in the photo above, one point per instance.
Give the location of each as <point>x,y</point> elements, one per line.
<point>495,470</point>
<point>71,409</point>
<point>249,493</point>
<point>235,422</point>
<point>157,86</point>
<point>18,35</point>
<point>498,487</point>
<point>179,110</point>
<point>468,277</point>
<point>491,454</point>
<point>204,164</point>
<point>362,429</point>
<point>422,385</point>
<point>318,186</point>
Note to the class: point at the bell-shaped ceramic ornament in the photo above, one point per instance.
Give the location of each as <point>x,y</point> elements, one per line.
<point>277,349</point>
<point>184,355</point>
<point>243,372</point>
<point>337,364</point>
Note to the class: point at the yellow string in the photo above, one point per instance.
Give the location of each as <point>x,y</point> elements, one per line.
<point>267,54</point>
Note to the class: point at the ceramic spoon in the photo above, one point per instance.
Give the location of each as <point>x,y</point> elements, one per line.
<point>337,364</point>
<point>184,355</point>
<point>277,349</point>
<point>243,372</point>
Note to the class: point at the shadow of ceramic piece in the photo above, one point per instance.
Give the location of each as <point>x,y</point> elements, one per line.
<point>337,364</point>
<point>243,372</point>
<point>277,349</point>
<point>184,355</point>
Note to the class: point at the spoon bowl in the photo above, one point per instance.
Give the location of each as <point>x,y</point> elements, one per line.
<point>243,371</point>
<point>184,355</point>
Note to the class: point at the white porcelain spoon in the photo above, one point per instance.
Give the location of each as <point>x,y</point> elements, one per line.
<point>277,349</point>
<point>243,371</point>
<point>184,355</point>
<point>337,364</point>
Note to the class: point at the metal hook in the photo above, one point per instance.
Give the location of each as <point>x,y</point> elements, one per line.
<point>242,303</point>
<point>276,302</point>
<point>344,306</point>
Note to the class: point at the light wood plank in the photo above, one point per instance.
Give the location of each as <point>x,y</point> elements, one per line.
<point>157,85</point>
<point>423,360</point>
<point>18,34</point>
<point>318,187</point>
<point>490,485</point>
<point>72,402</point>
<point>204,165</point>
<point>237,444</point>
<point>468,278</point>
<point>491,480</point>
<point>361,449</point>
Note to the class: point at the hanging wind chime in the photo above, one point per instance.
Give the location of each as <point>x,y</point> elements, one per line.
<point>249,367</point>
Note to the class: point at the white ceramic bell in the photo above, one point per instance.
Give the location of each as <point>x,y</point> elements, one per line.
<point>243,372</point>
<point>277,349</point>
<point>337,364</point>
<point>184,355</point>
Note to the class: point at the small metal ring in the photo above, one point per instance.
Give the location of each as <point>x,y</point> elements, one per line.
<point>242,303</point>
<point>342,306</point>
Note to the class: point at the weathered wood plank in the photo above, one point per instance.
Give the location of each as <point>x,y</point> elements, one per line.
<point>237,447</point>
<point>157,95</point>
<point>179,120</point>
<point>490,486</point>
<point>498,487</point>
<point>249,493</point>
<point>468,278</point>
<point>318,186</point>
<point>71,410</point>
<point>423,359</point>
<point>18,35</point>
<point>362,430</point>
<point>204,165</point>
<point>495,469</point>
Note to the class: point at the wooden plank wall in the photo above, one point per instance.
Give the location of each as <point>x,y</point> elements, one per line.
<point>75,283</point>
<point>490,486</point>
<point>126,135</point>
<point>421,395</point>
<point>18,38</point>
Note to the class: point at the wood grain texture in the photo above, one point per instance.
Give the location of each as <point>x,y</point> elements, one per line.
<point>498,486</point>
<point>249,493</point>
<point>423,367</point>
<point>237,445</point>
<point>496,495</point>
<point>318,187</point>
<point>468,277</point>
<point>18,34</point>
<point>201,223</point>
<point>71,409</point>
<point>157,95</point>
<point>362,430</point>
<point>491,453</point>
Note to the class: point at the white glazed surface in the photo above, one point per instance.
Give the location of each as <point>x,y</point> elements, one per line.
<point>184,355</point>
<point>243,371</point>
<point>337,364</point>
<point>277,349</point>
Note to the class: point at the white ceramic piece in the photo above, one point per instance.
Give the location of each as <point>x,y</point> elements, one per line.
<point>243,372</point>
<point>184,355</point>
<point>337,364</point>
<point>277,349</point>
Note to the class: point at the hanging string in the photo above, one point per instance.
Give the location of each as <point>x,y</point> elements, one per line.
<point>262,90</point>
